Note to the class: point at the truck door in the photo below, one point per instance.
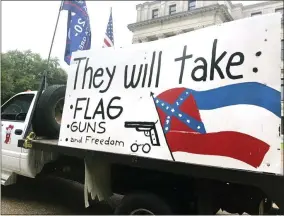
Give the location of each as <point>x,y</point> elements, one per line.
<point>14,118</point>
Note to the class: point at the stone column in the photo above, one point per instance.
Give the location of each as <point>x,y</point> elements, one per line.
<point>166,8</point>
<point>145,14</point>
<point>139,9</point>
<point>180,6</point>
<point>199,4</point>
<point>149,14</point>
<point>185,5</point>
<point>162,9</point>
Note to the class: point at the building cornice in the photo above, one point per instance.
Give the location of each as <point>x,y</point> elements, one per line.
<point>148,3</point>
<point>261,4</point>
<point>133,26</point>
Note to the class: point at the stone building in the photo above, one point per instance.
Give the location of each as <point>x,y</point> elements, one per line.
<point>161,19</point>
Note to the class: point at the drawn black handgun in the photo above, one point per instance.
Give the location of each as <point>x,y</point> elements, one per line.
<point>149,129</point>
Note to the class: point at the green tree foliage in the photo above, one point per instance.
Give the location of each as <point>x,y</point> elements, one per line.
<point>21,71</point>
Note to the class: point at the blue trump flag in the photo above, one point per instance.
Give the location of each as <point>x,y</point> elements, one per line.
<point>78,28</point>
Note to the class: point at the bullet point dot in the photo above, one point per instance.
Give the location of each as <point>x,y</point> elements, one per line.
<point>71,107</point>
<point>258,53</point>
<point>68,126</point>
<point>66,139</point>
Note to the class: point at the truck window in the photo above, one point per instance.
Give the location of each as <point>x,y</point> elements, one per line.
<point>17,108</point>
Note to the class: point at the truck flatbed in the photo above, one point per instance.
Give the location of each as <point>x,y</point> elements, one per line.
<point>271,184</point>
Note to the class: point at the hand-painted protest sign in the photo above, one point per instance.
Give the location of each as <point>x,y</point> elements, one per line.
<point>209,97</point>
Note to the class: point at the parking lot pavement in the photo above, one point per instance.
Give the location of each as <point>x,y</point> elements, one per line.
<point>47,196</point>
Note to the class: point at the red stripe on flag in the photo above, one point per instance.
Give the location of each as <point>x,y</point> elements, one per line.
<point>171,95</point>
<point>229,144</point>
<point>107,43</point>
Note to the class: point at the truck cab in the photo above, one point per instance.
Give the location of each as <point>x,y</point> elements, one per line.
<point>15,114</point>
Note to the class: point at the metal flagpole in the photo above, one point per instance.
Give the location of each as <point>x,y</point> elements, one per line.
<point>43,84</point>
<point>51,46</point>
<point>112,22</point>
<point>60,9</point>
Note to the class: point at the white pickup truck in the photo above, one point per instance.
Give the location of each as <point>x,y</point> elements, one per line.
<point>171,135</point>
<point>15,114</point>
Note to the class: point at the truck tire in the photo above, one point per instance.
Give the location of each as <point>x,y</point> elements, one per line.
<point>47,117</point>
<point>206,204</point>
<point>262,207</point>
<point>142,203</point>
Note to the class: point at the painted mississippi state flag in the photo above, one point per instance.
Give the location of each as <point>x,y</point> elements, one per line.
<point>179,113</point>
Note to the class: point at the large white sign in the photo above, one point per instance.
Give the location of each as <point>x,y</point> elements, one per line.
<point>209,97</point>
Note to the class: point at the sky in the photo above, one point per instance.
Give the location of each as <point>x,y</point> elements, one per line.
<point>30,25</point>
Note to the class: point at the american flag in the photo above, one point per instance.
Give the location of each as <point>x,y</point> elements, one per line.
<point>108,40</point>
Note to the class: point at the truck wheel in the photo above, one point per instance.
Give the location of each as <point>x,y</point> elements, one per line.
<point>142,204</point>
<point>48,113</point>
<point>206,204</point>
<point>262,207</point>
